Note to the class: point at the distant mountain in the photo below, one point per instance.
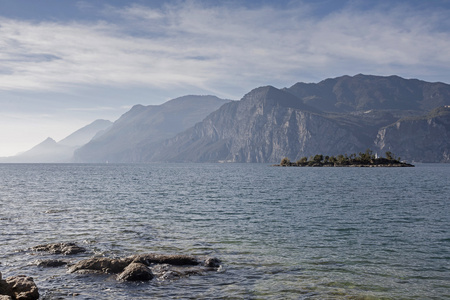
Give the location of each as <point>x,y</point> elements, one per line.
<point>49,151</point>
<point>366,92</point>
<point>85,134</point>
<point>340,115</point>
<point>136,133</point>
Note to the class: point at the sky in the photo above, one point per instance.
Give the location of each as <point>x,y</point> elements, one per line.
<point>64,64</point>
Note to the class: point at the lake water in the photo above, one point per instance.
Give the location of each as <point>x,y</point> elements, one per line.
<point>281,233</point>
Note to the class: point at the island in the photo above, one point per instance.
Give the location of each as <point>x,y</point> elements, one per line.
<point>366,159</point>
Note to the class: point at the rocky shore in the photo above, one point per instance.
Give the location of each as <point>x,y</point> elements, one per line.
<point>140,267</point>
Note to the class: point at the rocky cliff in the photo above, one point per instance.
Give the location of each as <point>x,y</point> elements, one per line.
<point>421,139</point>
<point>262,127</point>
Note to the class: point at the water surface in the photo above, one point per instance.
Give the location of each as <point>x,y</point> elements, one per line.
<point>282,233</point>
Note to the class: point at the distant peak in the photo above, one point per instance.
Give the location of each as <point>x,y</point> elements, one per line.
<point>49,140</point>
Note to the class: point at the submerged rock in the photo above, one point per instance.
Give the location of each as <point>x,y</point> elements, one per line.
<point>136,272</point>
<point>144,267</point>
<point>51,263</point>
<point>102,264</point>
<point>176,260</point>
<point>19,288</point>
<point>212,262</point>
<point>60,248</point>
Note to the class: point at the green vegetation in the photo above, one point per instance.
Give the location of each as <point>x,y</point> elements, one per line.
<point>362,159</point>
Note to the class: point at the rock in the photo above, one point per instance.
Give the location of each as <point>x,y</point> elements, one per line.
<point>50,263</point>
<point>136,272</point>
<point>212,262</point>
<point>19,288</point>
<point>60,248</point>
<point>176,260</point>
<point>5,297</point>
<point>5,289</point>
<point>102,264</point>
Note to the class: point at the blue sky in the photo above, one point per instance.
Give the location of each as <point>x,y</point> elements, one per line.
<point>64,64</point>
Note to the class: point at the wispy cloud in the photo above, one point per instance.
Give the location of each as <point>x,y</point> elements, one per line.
<point>221,47</point>
<point>98,108</point>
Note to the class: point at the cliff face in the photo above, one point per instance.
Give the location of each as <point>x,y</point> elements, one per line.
<point>421,139</point>
<point>265,125</point>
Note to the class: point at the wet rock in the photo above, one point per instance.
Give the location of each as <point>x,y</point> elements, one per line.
<point>176,260</point>
<point>19,288</point>
<point>60,248</point>
<point>5,297</point>
<point>102,264</point>
<point>212,262</point>
<point>50,263</point>
<point>136,272</point>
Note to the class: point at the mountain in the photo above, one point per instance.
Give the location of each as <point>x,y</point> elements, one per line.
<point>49,151</point>
<point>342,115</point>
<point>140,130</point>
<point>336,116</point>
<point>264,126</point>
<point>425,138</point>
<point>366,92</point>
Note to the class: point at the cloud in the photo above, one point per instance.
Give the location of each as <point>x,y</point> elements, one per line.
<point>215,48</point>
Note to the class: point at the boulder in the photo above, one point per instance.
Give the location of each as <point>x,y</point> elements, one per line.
<point>19,288</point>
<point>102,264</point>
<point>60,248</point>
<point>136,272</point>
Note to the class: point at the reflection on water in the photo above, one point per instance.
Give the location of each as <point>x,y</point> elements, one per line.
<point>289,233</point>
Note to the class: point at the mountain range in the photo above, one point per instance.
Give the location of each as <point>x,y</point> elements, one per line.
<point>347,114</point>
<point>50,151</point>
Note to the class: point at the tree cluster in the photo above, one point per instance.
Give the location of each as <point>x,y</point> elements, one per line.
<point>367,158</point>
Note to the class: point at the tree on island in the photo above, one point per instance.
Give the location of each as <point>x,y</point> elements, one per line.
<point>362,159</point>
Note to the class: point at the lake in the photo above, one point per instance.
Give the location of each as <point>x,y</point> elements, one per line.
<point>281,233</point>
